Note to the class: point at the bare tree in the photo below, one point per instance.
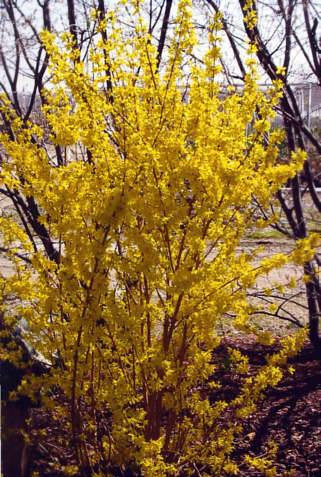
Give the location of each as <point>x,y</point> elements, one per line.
<point>278,50</point>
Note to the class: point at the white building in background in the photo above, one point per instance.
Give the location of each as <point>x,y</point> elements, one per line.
<point>308,96</point>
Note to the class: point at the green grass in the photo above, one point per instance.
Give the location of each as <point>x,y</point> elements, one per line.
<point>264,234</point>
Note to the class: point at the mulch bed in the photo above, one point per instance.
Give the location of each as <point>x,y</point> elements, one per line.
<point>290,415</point>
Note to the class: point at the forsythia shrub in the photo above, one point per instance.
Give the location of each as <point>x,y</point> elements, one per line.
<point>146,209</point>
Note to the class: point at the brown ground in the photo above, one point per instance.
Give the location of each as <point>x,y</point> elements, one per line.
<point>290,415</point>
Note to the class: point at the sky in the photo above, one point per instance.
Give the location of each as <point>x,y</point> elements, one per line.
<point>269,18</point>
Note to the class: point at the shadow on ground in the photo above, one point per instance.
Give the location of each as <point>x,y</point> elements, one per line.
<point>290,415</point>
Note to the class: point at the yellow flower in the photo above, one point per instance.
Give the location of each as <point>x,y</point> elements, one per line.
<point>137,263</point>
